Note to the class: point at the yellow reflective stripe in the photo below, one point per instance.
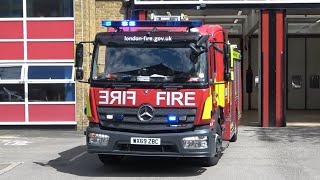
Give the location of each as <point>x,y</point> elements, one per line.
<point>232,75</point>
<point>88,107</point>
<point>207,107</point>
<point>232,56</point>
<point>235,54</point>
<point>220,94</point>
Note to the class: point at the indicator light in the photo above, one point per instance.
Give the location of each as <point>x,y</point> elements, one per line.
<point>172,118</point>
<point>109,116</point>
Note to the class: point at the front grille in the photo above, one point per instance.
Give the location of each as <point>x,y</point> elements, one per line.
<point>131,122</point>
<point>147,148</point>
<point>130,114</point>
<point>144,127</point>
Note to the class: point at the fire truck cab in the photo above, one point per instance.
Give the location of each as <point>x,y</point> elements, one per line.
<point>161,88</point>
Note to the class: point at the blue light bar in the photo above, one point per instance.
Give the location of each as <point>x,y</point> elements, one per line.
<point>106,23</point>
<point>124,23</point>
<point>127,23</point>
<point>132,23</point>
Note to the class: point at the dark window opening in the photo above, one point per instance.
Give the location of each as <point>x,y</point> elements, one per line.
<point>9,73</point>
<point>11,93</point>
<point>51,92</point>
<point>50,72</point>
<point>50,8</point>
<point>11,8</point>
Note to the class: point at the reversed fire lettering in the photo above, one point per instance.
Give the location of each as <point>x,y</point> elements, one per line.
<point>129,98</point>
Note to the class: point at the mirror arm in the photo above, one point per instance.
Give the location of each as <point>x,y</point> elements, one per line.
<point>86,42</point>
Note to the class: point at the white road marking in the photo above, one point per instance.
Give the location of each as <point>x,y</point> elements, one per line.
<point>76,157</point>
<point>8,137</point>
<point>306,124</point>
<point>11,166</point>
<point>15,143</point>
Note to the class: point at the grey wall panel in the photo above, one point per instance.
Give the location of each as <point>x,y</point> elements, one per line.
<point>296,70</point>
<point>313,69</point>
<point>255,69</point>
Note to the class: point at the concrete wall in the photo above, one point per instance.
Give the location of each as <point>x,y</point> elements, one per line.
<point>88,17</point>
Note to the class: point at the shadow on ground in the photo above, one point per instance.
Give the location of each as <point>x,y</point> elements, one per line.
<point>90,166</point>
<point>286,134</point>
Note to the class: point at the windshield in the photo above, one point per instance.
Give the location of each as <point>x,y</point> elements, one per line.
<point>145,64</point>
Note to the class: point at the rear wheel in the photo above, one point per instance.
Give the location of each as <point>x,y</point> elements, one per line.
<point>211,161</point>
<point>109,159</point>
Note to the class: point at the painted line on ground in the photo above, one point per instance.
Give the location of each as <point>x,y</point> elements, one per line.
<point>11,166</point>
<point>307,124</point>
<point>8,137</point>
<point>76,157</point>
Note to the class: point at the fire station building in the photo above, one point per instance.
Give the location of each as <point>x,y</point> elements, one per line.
<point>279,41</point>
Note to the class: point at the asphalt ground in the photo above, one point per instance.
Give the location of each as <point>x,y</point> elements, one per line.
<point>285,153</point>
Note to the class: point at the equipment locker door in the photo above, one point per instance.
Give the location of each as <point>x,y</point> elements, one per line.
<point>254,52</point>
<point>313,73</point>
<point>296,73</point>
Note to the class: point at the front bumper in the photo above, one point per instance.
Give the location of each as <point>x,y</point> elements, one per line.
<point>171,143</point>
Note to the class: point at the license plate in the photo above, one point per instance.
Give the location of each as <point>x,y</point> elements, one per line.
<point>145,141</point>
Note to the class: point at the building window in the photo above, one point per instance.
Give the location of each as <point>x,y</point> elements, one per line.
<point>51,92</point>
<point>11,92</point>
<point>50,8</point>
<point>50,72</point>
<point>11,8</point>
<point>10,73</point>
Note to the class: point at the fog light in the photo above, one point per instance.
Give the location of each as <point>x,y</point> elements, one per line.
<point>195,142</point>
<point>98,139</point>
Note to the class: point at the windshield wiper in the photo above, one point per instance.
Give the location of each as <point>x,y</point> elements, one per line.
<point>172,86</point>
<point>121,86</point>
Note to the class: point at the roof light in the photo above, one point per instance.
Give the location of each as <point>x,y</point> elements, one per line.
<point>124,23</point>
<point>106,23</point>
<point>132,23</point>
<point>152,23</point>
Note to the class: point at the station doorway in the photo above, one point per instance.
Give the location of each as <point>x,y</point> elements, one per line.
<point>301,81</point>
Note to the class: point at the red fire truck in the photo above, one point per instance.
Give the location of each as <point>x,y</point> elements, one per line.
<point>161,88</point>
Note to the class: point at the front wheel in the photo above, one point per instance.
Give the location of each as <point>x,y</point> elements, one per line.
<point>211,161</point>
<point>109,159</point>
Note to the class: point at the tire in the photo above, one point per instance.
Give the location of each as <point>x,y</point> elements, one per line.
<point>235,136</point>
<point>110,159</point>
<point>212,161</point>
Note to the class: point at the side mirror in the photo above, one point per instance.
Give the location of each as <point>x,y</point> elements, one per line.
<point>79,61</point>
<point>198,49</point>
<point>79,56</point>
<point>202,40</point>
<point>79,74</point>
<point>227,62</point>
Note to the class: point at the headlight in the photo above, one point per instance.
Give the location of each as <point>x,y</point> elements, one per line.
<point>195,142</point>
<point>98,139</point>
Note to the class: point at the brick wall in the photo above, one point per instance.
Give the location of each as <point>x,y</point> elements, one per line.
<point>88,17</point>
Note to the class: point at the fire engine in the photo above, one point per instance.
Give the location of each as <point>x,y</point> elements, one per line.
<point>161,88</point>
